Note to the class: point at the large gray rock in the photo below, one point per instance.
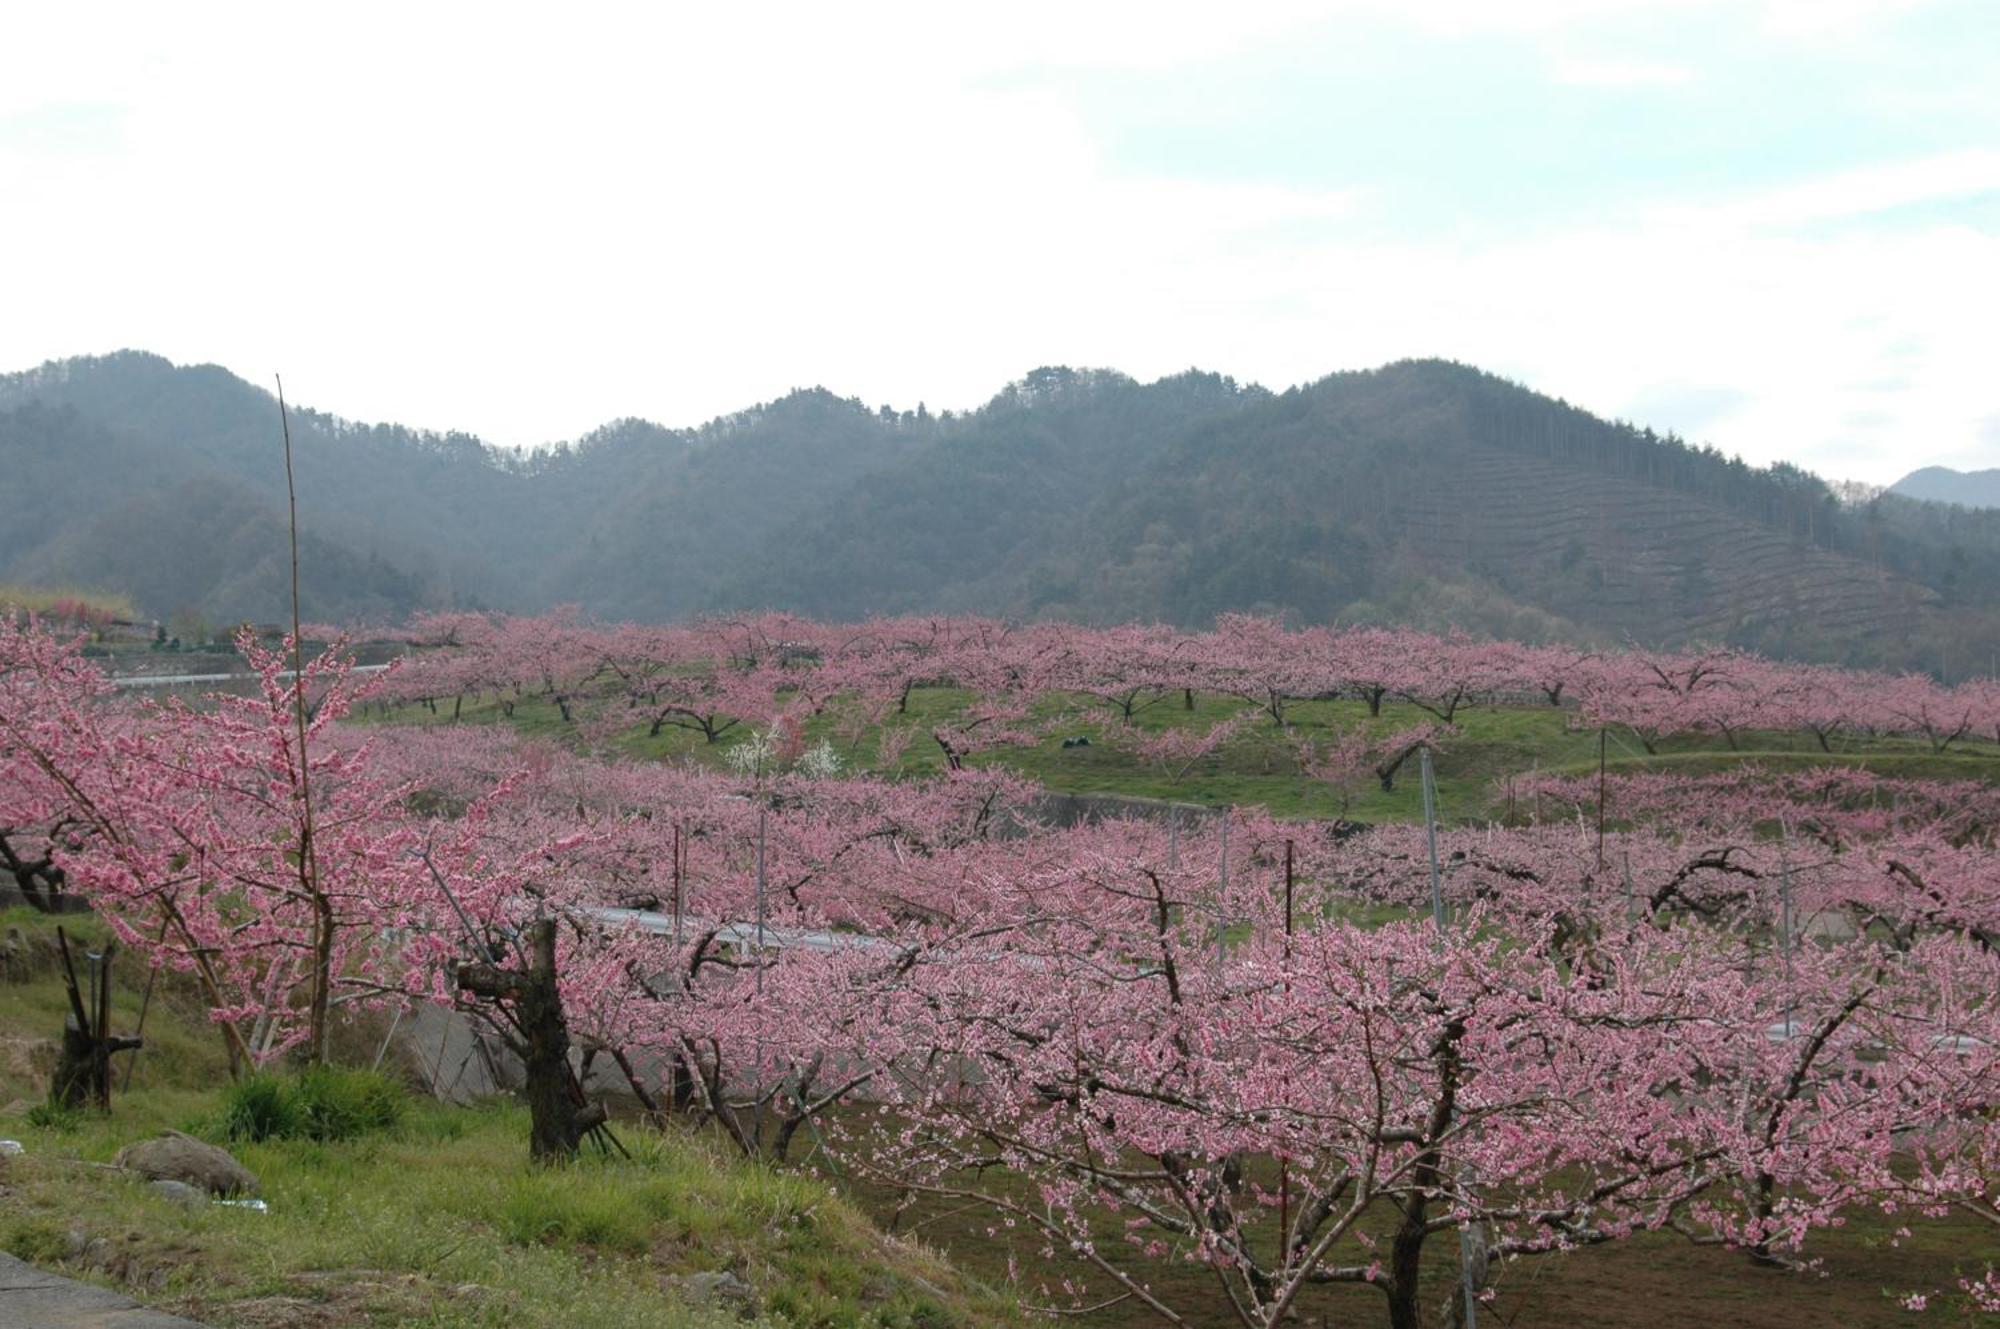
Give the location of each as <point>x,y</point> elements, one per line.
<point>182,1158</point>
<point>725,1289</point>
<point>179,1192</point>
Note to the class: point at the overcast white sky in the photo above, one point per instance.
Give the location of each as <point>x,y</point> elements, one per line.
<point>1771,226</point>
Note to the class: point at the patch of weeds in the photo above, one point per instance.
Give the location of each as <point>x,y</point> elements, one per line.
<point>58,1117</point>
<point>38,1242</point>
<point>571,1207</point>
<point>323,1104</point>
<point>260,1107</point>
<point>336,1104</point>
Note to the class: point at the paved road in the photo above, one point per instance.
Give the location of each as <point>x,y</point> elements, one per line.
<point>32,1299</point>
<point>744,935</point>
<point>189,680</point>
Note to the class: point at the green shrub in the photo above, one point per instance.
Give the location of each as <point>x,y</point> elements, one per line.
<point>54,1116</point>
<point>336,1104</point>
<point>260,1108</point>
<point>38,1241</point>
<point>324,1103</point>
<point>573,1208</point>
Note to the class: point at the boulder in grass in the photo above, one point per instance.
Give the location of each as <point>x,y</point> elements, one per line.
<point>182,1158</point>
<point>723,1288</point>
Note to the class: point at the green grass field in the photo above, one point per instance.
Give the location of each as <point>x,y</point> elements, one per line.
<point>1258,766</point>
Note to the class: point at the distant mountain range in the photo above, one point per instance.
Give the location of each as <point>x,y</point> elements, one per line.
<point>1941,484</point>
<point>1424,491</point>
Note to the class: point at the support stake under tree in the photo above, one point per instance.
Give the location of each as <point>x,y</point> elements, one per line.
<point>83,1068</point>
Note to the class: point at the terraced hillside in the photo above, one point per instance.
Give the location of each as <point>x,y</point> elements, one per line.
<point>1649,562</point>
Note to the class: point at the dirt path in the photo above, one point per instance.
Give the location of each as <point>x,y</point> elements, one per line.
<point>31,1299</point>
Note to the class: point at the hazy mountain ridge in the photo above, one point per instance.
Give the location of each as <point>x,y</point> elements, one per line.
<point>1422,491</point>
<point>1942,484</point>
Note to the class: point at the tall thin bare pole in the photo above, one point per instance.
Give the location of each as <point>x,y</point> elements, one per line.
<point>1631,902</point>
<point>1284,1164</point>
<point>680,887</point>
<point>762,813</point>
<point>322,969</point>
<point>1222,901</point>
<point>757,1111</point>
<point>1786,923</point>
<point>1428,779</point>
<point>1288,892</point>
<point>1601,763</point>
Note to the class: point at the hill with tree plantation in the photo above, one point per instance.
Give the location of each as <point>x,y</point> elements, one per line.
<point>1422,492</point>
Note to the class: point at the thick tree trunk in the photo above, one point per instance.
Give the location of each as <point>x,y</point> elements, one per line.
<point>1385,771</point>
<point>76,1082</point>
<point>39,880</point>
<point>681,1086</point>
<point>83,1069</point>
<point>1405,1262</point>
<point>320,1012</point>
<point>558,1116</point>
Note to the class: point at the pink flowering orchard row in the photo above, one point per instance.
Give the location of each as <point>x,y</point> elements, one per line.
<point>1686,1041</point>
<point>1660,1054</point>
<point>714,675</point>
<point>1694,1024</point>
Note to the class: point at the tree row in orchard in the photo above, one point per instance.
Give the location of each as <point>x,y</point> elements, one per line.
<point>714,675</point>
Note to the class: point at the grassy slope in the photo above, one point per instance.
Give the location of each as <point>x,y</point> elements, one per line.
<point>441,1222</point>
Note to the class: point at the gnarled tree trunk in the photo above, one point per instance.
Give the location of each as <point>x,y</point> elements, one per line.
<point>539,1035</point>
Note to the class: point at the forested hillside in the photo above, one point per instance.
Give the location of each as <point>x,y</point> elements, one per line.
<point>1422,492</point>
